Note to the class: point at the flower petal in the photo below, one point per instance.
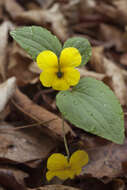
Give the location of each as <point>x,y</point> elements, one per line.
<point>47,77</point>
<point>57,161</point>
<point>60,84</point>
<point>47,59</point>
<point>71,76</point>
<point>78,160</point>
<point>62,174</point>
<point>70,57</point>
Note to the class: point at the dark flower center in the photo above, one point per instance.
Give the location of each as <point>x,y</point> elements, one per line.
<point>59,74</point>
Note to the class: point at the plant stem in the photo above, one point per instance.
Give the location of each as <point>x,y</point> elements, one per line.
<point>65,140</point>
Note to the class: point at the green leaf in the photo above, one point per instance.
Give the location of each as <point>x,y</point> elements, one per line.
<point>35,39</point>
<point>93,107</point>
<point>82,45</point>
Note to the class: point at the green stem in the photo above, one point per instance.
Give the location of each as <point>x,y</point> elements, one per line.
<point>65,140</point>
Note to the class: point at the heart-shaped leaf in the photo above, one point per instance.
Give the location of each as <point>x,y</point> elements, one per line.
<point>35,39</point>
<point>93,107</point>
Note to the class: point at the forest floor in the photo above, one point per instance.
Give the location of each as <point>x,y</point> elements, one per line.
<point>30,123</point>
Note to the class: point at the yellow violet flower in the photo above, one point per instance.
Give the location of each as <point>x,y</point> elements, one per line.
<point>59,166</point>
<point>59,73</point>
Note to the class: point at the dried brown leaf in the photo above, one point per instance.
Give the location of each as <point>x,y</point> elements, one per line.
<point>55,187</point>
<point>86,73</point>
<point>107,10</point>
<point>121,6</point>
<point>39,114</point>
<point>115,10</point>
<point>34,68</point>
<point>45,3</point>
<point>4,29</point>
<point>16,49</point>
<point>123,59</point>
<point>12,179</point>
<point>19,67</point>
<point>70,10</point>
<point>106,160</point>
<point>118,184</point>
<point>26,145</point>
<point>13,8</point>
<point>6,91</point>
<point>113,71</point>
<point>87,6</point>
<point>2,2</point>
<point>112,34</point>
<point>43,16</point>
<point>118,80</point>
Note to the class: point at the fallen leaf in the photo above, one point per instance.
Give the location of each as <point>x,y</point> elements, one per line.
<point>103,65</point>
<point>13,8</point>
<point>4,29</point>
<point>26,145</point>
<point>1,10</point>
<point>87,6</point>
<point>9,181</point>
<point>39,114</point>
<point>16,49</point>
<point>7,89</point>
<point>106,160</point>
<point>55,187</point>
<point>113,11</point>
<point>70,10</point>
<point>87,73</point>
<point>43,16</point>
<point>27,174</point>
<point>118,184</point>
<point>1,2</point>
<point>121,6</point>
<point>118,80</point>
<point>45,3</point>
<point>19,67</point>
<point>112,34</point>
<point>123,59</point>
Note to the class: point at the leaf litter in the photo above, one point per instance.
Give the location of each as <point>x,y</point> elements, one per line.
<point>29,117</point>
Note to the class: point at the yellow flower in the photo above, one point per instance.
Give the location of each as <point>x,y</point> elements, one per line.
<point>60,73</point>
<point>59,166</point>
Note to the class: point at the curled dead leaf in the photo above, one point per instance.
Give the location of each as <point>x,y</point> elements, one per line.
<point>4,29</point>
<point>13,8</point>
<point>103,65</point>
<point>115,11</point>
<point>39,114</point>
<point>44,16</point>
<point>7,89</point>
